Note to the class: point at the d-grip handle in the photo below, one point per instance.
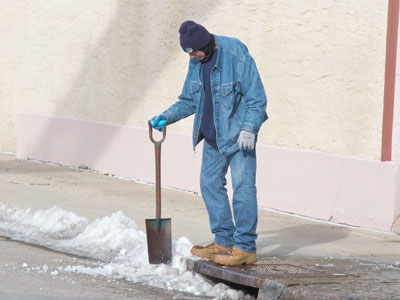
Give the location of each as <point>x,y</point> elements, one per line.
<point>151,134</point>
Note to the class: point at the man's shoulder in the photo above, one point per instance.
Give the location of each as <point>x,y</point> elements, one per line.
<point>231,45</point>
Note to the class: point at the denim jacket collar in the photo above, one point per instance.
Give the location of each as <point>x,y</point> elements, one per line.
<point>219,47</point>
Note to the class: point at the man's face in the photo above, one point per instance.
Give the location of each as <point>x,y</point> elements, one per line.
<point>197,54</point>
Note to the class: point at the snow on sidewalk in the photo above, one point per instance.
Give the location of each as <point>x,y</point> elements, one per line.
<point>115,240</point>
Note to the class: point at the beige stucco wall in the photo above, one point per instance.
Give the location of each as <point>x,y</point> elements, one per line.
<point>322,63</point>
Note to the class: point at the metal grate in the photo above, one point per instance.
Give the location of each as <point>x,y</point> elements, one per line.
<point>255,275</point>
<point>283,269</point>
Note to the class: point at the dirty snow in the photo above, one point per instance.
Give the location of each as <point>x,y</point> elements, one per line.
<point>114,240</point>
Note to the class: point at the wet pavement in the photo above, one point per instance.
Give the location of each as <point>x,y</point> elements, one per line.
<point>18,296</point>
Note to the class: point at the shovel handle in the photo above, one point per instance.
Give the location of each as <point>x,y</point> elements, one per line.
<point>157,148</point>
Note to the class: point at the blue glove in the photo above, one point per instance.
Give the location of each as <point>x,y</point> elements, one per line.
<point>158,122</point>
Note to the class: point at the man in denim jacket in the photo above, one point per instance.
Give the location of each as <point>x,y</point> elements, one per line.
<point>224,91</point>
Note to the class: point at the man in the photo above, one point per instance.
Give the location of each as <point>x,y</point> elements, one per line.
<point>224,91</point>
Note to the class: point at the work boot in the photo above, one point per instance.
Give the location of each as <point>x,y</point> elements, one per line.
<point>208,251</point>
<point>235,257</point>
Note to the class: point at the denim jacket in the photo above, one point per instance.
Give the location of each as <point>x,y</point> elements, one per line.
<point>237,91</point>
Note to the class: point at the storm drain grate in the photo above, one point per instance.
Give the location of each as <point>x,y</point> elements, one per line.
<point>283,269</point>
<point>255,275</point>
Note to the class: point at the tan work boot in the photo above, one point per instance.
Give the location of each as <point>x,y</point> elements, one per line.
<point>235,257</point>
<point>208,251</point>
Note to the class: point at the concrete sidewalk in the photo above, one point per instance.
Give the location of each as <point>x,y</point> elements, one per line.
<point>285,237</point>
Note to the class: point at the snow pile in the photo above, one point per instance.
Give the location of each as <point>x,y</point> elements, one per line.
<point>114,240</point>
<point>34,224</point>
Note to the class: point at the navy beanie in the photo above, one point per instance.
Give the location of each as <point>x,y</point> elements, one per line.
<point>193,36</point>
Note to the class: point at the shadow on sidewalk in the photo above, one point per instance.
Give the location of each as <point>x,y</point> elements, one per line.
<point>290,239</point>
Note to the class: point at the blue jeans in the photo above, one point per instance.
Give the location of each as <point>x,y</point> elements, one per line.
<point>214,166</point>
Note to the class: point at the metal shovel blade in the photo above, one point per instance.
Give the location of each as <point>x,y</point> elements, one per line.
<point>159,240</point>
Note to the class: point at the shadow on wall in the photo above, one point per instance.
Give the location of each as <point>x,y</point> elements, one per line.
<point>123,66</point>
<point>288,240</point>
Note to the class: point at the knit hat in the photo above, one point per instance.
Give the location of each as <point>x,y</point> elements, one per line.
<point>193,36</point>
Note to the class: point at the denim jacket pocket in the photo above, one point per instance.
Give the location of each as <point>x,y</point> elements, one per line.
<point>195,91</point>
<point>226,93</point>
<point>194,87</point>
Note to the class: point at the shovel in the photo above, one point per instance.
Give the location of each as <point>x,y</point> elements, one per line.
<point>158,230</point>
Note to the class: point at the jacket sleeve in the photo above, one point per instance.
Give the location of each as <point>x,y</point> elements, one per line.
<point>185,106</point>
<point>248,83</point>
